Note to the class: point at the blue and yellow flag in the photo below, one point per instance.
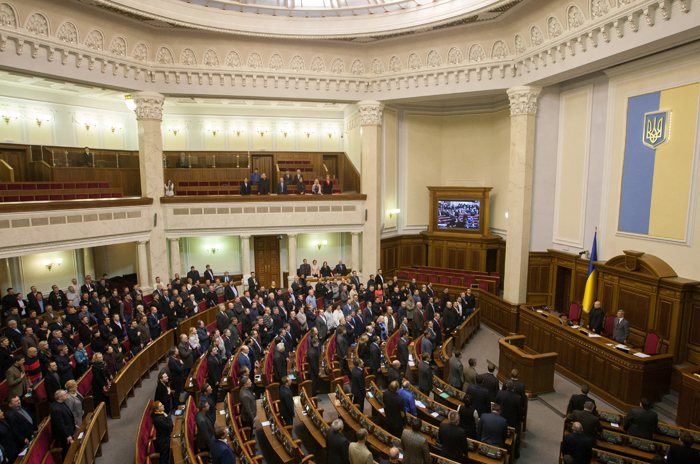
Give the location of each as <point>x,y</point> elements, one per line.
<point>589,294</point>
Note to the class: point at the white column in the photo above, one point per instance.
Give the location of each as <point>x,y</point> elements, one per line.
<point>371,117</point>
<point>355,252</point>
<point>292,253</point>
<point>88,264</point>
<point>144,281</point>
<point>175,267</point>
<point>149,117</point>
<point>523,112</point>
<point>245,255</point>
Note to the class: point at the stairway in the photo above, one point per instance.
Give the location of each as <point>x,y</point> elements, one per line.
<point>667,408</point>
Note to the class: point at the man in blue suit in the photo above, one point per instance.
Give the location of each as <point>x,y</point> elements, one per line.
<point>243,360</point>
<point>219,451</point>
<point>492,429</point>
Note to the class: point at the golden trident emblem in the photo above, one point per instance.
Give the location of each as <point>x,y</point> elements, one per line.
<point>655,129</point>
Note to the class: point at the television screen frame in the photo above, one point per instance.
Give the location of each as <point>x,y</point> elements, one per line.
<point>466,228</point>
<point>460,194</point>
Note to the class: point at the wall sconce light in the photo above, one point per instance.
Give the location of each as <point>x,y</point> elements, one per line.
<point>130,103</point>
<point>506,214</point>
<point>308,130</point>
<point>213,129</point>
<point>89,124</point>
<point>331,131</point>
<point>394,212</point>
<point>49,263</point>
<point>320,244</point>
<point>175,129</point>
<point>114,127</point>
<point>262,130</point>
<point>286,129</point>
<point>238,128</point>
<point>7,115</point>
<point>41,118</point>
<point>213,248</point>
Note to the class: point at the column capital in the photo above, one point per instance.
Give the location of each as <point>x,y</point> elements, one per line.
<point>371,112</point>
<point>245,237</point>
<point>143,242</point>
<point>149,105</point>
<point>292,235</point>
<point>523,99</point>
<point>355,233</point>
<point>173,239</point>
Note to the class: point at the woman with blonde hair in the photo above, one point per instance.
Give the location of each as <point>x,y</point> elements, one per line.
<point>353,292</point>
<point>75,401</point>
<point>316,188</point>
<point>315,270</point>
<point>363,349</point>
<point>194,342</point>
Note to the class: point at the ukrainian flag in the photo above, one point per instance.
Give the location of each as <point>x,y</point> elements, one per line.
<point>658,161</point>
<point>589,294</point>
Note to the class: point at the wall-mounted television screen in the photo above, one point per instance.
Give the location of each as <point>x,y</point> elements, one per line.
<point>458,214</point>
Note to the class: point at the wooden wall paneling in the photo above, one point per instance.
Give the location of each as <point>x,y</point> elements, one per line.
<point>475,260</point>
<point>690,341</point>
<point>417,254</point>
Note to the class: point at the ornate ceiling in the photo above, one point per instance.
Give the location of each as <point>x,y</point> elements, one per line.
<point>356,20</point>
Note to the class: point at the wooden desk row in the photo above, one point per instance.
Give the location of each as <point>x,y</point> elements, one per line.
<point>619,378</point>
<point>624,445</point>
<point>279,435</point>
<point>664,433</point>
<point>381,441</point>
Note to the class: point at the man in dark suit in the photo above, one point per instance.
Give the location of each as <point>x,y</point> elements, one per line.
<point>22,424</point>
<point>62,422</point>
<point>282,187</point>
<point>379,279</point>
<point>340,269</point>
<point>511,410</point>
<point>336,442</point>
<point>453,439</point>
<point>194,275</point>
<point>577,402</point>
<point>312,357</point>
<point>220,452</point>
<point>246,187</point>
<point>358,385</point>
<point>402,352</point>
<point>209,274</point>
<point>341,348</point>
<point>519,387</point>
<point>205,426</point>
<point>641,422</point>
<point>577,446</point>
<point>375,356</point>
<point>621,328</point>
<point>492,429</point>
<point>287,178</point>
<point>222,320</point>
<point>279,363</point>
<point>230,291</point>
<point>249,408</point>
<point>286,401</point>
<point>355,280</point>
<point>299,181</point>
<point>394,410</point>
<point>425,375</point>
<point>596,318</point>
<point>394,372</point>
<point>491,382</point>
<point>88,287</point>
<point>304,269</point>
<point>253,284</point>
<point>264,185</point>
<point>479,395</point>
<point>588,420</point>
<point>681,454</point>
<point>456,370</point>
<point>52,382</point>
<point>393,456</point>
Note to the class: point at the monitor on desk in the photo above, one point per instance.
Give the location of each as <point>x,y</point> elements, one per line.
<point>624,350</point>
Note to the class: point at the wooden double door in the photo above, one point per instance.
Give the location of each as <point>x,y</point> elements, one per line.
<point>264,164</point>
<point>267,259</point>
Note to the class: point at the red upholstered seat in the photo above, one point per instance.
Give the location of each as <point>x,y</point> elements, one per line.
<point>41,197</point>
<point>609,326</point>
<point>14,186</point>
<point>652,343</point>
<point>93,185</point>
<point>483,285</point>
<point>4,391</point>
<point>443,280</point>
<point>468,281</point>
<point>319,302</point>
<point>26,198</point>
<point>28,186</point>
<point>456,281</point>
<point>81,185</point>
<point>68,186</point>
<point>94,196</point>
<point>411,275</point>
<point>43,186</point>
<point>81,196</point>
<point>117,195</point>
<point>104,185</point>
<point>55,197</point>
<point>10,198</point>
<point>574,313</point>
<point>423,278</point>
<point>105,195</point>
<point>3,186</point>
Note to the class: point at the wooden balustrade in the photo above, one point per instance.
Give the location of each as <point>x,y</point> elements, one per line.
<point>95,434</point>
<point>7,174</point>
<point>139,366</point>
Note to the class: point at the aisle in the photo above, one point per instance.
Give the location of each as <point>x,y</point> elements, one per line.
<point>121,448</point>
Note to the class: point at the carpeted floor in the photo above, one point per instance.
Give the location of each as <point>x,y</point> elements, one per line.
<point>540,445</point>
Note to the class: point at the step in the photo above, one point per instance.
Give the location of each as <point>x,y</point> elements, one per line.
<point>667,410</point>
<point>671,401</point>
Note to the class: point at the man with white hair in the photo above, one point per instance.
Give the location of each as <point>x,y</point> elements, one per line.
<point>336,442</point>
<point>62,422</point>
<point>279,363</point>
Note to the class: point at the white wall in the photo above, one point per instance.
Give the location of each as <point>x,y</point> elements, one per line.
<point>227,258</point>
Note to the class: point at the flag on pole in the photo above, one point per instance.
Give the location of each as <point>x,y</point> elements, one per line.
<point>589,294</point>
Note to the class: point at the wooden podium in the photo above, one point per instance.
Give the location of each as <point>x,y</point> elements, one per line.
<point>536,370</point>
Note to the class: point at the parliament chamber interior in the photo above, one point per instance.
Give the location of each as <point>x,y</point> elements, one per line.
<point>349,231</point>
